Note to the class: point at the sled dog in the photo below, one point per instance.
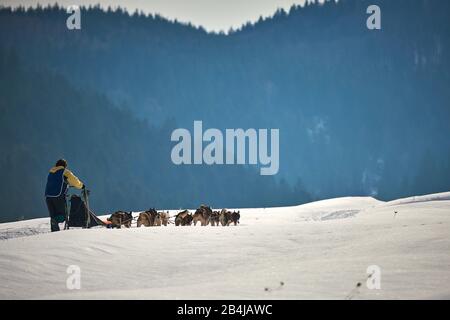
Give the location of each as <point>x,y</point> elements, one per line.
<point>202,214</point>
<point>183,218</point>
<point>121,218</point>
<point>147,218</point>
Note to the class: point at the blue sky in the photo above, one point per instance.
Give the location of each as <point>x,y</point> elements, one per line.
<point>213,15</point>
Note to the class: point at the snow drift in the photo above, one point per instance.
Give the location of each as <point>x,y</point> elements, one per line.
<point>317,250</point>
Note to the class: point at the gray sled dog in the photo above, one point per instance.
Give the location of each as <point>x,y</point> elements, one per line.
<point>183,218</point>
<point>214,218</point>
<point>227,217</point>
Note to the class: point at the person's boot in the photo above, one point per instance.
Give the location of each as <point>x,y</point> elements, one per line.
<point>54,225</point>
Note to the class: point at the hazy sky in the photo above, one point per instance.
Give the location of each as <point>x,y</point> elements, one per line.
<point>211,14</point>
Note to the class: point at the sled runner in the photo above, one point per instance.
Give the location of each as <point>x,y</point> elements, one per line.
<point>79,215</point>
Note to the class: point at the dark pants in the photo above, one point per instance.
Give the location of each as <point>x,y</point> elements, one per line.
<point>57,210</point>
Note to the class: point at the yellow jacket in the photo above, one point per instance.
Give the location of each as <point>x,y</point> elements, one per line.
<point>58,179</point>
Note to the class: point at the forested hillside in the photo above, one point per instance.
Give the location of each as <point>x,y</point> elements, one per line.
<point>360,112</point>
<point>125,162</point>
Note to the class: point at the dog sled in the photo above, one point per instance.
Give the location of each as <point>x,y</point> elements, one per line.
<point>78,214</point>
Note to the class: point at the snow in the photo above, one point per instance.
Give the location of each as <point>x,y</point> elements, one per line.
<point>320,250</point>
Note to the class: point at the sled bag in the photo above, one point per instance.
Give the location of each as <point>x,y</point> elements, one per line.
<point>79,214</point>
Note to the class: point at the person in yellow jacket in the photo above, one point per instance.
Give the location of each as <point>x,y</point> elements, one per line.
<point>58,181</point>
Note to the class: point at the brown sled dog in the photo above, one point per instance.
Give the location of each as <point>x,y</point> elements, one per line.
<point>202,214</point>
<point>121,218</point>
<point>184,218</point>
<point>147,218</point>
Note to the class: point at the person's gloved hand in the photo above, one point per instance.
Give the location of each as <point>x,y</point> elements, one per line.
<point>84,188</point>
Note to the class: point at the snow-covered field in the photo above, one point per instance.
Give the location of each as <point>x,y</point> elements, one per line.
<point>318,250</point>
